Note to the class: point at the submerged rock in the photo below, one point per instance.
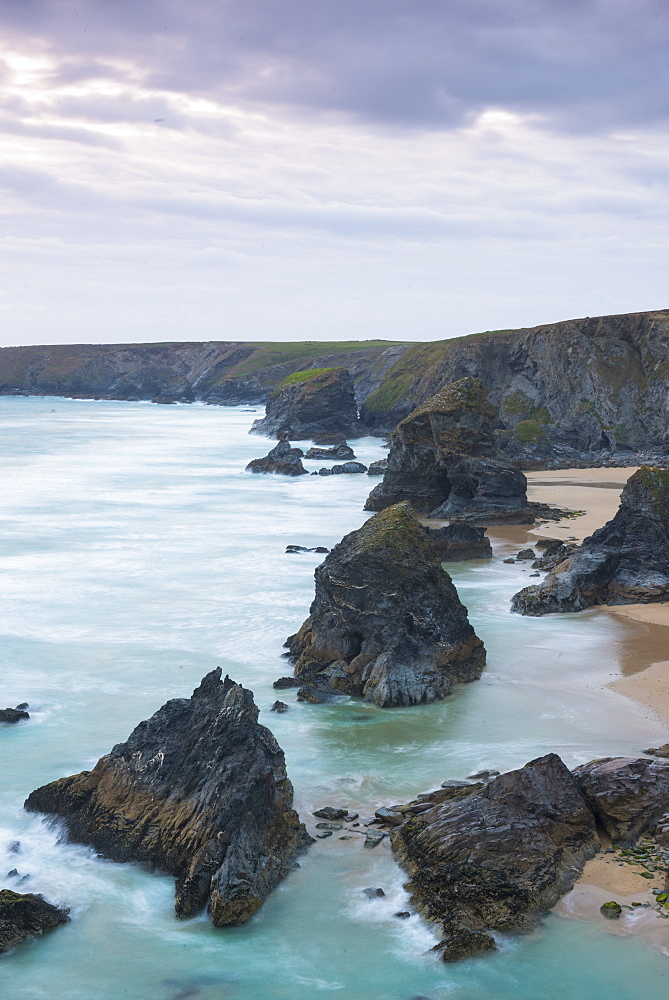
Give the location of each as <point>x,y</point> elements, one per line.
<point>198,790</point>
<point>460,541</point>
<point>444,459</point>
<point>13,714</point>
<point>625,562</point>
<point>284,459</point>
<point>310,404</point>
<point>386,621</point>
<point>26,915</point>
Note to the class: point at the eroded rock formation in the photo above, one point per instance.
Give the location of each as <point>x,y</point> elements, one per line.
<point>444,460</point>
<point>624,562</point>
<point>282,459</point>
<point>386,622</point>
<point>309,404</point>
<point>199,790</point>
<point>26,915</point>
<point>460,541</point>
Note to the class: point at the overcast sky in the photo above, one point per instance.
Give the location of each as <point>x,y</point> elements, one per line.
<point>329,169</point>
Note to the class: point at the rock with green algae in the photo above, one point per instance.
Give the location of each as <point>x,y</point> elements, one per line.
<point>26,915</point>
<point>445,460</point>
<point>611,910</point>
<point>386,621</point>
<point>624,562</point>
<point>199,790</point>
<point>309,404</point>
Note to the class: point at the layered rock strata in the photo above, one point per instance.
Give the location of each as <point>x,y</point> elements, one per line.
<point>309,404</point>
<point>282,459</point>
<point>444,459</point>
<point>386,621</point>
<point>26,915</point>
<point>199,790</point>
<point>460,541</point>
<point>495,857</point>
<point>624,562</point>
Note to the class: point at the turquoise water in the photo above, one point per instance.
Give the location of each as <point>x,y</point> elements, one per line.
<point>136,555</point>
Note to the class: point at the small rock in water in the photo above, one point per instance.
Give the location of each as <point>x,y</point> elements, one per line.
<point>483,775</point>
<point>279,706</point>
<point>350,816</point>
<point>286,682</point>
<point>320,548</point>
<point>12,715</point>
<point>662,751</point>
<point>14,846</point>
<point>347,836</point>
<point>526,554</point>
<point>22,707</point>
<point>13,873</point>
<point>329,812</point>
<point>322,834</point>
<point>296,548</point>
<point>402,914</point>
<point>373,893</point>
<point>508,560</point>
<point>611,910</point>
<point>391,816</point>
<point>329,826</point>
<point>453,783</point>
<point>373,838</point>
<point>535,574</point>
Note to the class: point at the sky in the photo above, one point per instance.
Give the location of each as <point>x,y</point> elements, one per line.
<point>328,169</point>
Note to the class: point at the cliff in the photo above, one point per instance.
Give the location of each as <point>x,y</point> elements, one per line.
<point>309,404</point>
<point>386,621</point>
<point>200,791</point>
<point>624,562</point>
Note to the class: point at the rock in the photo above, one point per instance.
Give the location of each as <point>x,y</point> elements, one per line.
<point>460,541</point>
<point>198,790</point>
<point>498,857</point>
<point>373,893</point>
<point>627,794</point>
<point>662,751</point>
<point>286,682</point>
<point>535,574</point>
<point>329,826</point>
<point>482,776</point>
<point>373,837</point>
<point>14,846</point>
<point>508,560</point>
<point>295,549</point>
<point>311,403</point>
<point>350,468</point>
<point>340,452</point>
<point>350,816</point>
<point>23,916</point>
<point>444,459</point>
<point>526,554</point>
<point>12,715</point>
<point>625,562</point>
<point>279,706</point>
<point>611,910</point>
<point>322,834</point>
<point>554,553</point>
<point>330,812</point>
<point>386,622</point>
<point>391,817</point>
<point>22,707</point>
<point>402,914</point>
<point>329,439</point>
<point>282,459</point>
<point>378,468</point>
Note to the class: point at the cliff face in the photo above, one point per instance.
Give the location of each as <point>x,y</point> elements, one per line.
<point>306,405</point>
<point>624,562</point>
<point>199,790</point>
<point>444,459</point>
<point>386,621</point>
<point>587,385</point>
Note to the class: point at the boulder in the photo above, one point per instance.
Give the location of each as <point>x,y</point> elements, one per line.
<point>282,458</point>
<point>460,541</point>
<point>199,790</point>
<point>378,468</point>
<point>445,460</point>
<point>497,857</point>
<point>352,468</point>
<point>627,794</point>
<point>340,453</point>
<point>625,562</point>
<point>26,915</point>
<point>310,404</point>
<point>13,714</point>
<point>386,621</point>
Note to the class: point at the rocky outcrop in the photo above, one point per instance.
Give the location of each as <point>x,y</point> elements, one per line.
<point>339,453</point>
<point>627,794</point>
<point>460,541</point>
<point>312,402</point>
<point>444,459</point>
<point>26,915</point>
<point>199,790</point>
<point>625,562</point>
<point>13,714</point>
<point>282,459</point>
<point>346,468</point>
<point>386,622</point>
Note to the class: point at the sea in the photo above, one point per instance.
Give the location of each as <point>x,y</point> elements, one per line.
<point>136,554</point>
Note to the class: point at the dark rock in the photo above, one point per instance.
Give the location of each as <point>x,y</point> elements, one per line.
<point>627,794</point>
<point>329,826</point>
<point>323,472</point>
<point>320,548</point>
<point>282,459</point>
<point>330,812</point>
<point>662,751</point>
<point>483,775</point>
<point>333,440</point>
<point>286,682</point>
<point>295,549</point>
<point>322,834</point>
<point>460,541</point>
<point>444,459</point>
<point>373,893</point>
<point>378,468</point>
<point>402,914</point>
<point>13,873</point>
<point>386,621</point>
<point>22,707</point>
<point>14,846</point>
<point>350,816</point>
<point>340,452</point>
<point>12,715</point>
<point>611,910</point>
<point>350,468</point>
<point>279,706</point>
<point>391,817</point>
<point>508,560</point>
<point>526,554</point>
<point>497,858</point>
<point>24,916</point>
<point>199,790</point>
<point>373,837</point>
<point>625,562</point>
<point>311,403</point>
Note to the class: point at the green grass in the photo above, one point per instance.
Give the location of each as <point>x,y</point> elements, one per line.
<point>304,376</point>
<point>269,353</point>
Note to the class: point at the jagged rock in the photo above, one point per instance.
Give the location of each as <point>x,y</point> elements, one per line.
<point>554,552</point>
<point>311,403</point>
<point>280,707</point>
<point>23,916</point>
<point>378,468</point>
<point>13,715</point>
<point>386,621</point>
<point>662,751</point>
<point>444,459</point>
<point>198,790</point>
<point>628,794</point>
<point>340,452</point>
<point>625,562</point>
<point>460,541</point>
<point>284,459</point>
<point>526,554</point>
<point>286,682</point>
<point>497,857</point>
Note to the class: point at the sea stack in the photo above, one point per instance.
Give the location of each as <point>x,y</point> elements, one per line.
<point>310,404</point>
<point>386,622</point>
<point>282,459</point>
<point>624,562</point>
<point>26,915</point>
<point>444,459</point>
<point>199,790</point>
